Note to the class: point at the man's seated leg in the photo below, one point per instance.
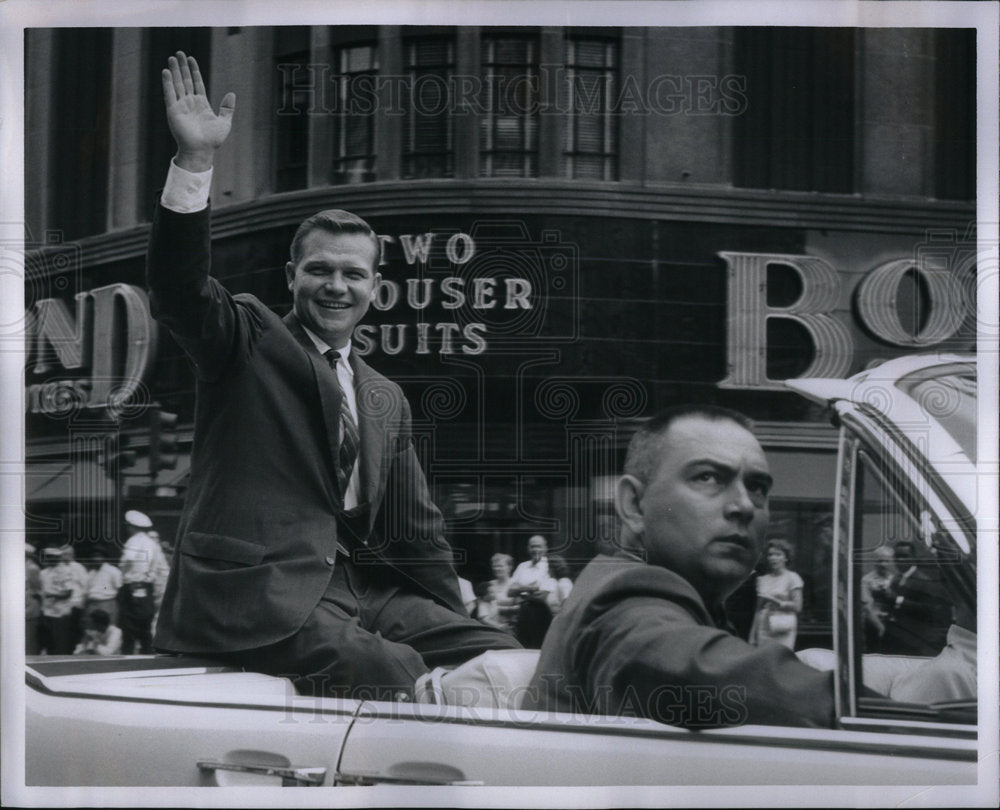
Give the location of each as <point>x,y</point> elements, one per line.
<point>442,637</point>
<point>334,655</point>
<point>371,639</point>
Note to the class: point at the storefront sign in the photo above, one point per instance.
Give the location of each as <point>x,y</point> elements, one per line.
<point>833,346</point>
<point>462,292</point>
<point>110,342</point>
<point>111,339</point>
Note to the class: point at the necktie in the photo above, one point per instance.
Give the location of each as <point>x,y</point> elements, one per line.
<point>348,432</point>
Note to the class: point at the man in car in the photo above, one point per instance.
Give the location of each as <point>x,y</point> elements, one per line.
<point>309,546</point>
<point>643,632</point>
<point>920,613</point>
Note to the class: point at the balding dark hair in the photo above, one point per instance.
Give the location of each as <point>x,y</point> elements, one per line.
<point>640,460</point>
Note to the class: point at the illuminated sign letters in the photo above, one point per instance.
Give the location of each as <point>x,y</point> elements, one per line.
<point>833,346</point>
<point>110,339</point>
<point>746,340</point>
<point>111,335</point>
<point>472,292</point>
<point>877,303</point>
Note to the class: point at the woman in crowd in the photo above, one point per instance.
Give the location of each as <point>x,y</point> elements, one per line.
<point>539,606</point>
<point>496,607</point>
<point>779,598</point>
<point>561,583</point>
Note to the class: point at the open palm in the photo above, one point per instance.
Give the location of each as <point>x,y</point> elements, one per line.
<point>193,123</point>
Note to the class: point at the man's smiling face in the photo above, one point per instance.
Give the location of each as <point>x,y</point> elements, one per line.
<point>704,510</point>
<point>333,283</point>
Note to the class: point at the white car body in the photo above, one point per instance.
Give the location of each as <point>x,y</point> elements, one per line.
<point>148,721</point>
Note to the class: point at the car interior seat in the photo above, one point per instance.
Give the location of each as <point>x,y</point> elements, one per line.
<point>497,679</point>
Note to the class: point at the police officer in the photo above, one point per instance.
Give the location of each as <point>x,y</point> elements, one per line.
<point>144,576</point>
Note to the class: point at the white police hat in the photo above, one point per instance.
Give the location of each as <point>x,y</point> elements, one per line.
<point>133,517</point>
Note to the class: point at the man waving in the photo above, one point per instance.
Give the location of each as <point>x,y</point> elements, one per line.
<point>302,457</point>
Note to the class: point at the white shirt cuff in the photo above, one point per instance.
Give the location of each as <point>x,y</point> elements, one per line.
<point>186,192</point>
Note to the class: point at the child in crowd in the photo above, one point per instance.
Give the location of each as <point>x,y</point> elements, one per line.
<point>101,637</point>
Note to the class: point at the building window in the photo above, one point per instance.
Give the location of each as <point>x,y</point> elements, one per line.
<point>354,128</point>
<point>508,135</point>
<point>296,93</point>
<point>797,132</point>
<point>591,149</point>
<point>428,131</point>
<point>81,132</point>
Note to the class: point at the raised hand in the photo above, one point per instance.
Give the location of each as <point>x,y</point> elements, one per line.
<point>196,128</point>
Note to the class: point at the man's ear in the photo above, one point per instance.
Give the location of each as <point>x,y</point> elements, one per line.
<point>628,493</point>
<point>375,285</point>
<point>290,273</point>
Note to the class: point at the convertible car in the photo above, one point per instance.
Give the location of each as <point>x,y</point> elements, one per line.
<point>906,470</point>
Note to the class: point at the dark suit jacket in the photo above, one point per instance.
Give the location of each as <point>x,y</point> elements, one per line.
<point>637,640</point>
<point>263,515</point>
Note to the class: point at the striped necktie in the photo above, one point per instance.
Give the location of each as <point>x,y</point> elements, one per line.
<point>349,443</point>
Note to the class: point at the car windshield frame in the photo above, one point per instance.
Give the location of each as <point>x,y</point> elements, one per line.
<point>867,438</point>
<point>949,395</point>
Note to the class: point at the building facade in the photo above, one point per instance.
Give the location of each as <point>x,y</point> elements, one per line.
<point>580,226</point>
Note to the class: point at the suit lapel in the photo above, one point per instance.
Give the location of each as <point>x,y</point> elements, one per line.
<point>329,390</point>
<point>371,395</point>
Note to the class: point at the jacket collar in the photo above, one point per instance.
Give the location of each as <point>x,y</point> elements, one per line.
<point>708,613</point>
<point>370,431</point>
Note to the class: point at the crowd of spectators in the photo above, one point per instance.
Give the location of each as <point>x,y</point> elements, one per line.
<point>109,605</point>
<point>523,601</point>
<point>106,607</point>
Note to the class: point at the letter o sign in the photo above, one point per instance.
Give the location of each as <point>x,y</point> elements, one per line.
<point>876,300</point>
<point>460,248</point>
<point>386,295</point>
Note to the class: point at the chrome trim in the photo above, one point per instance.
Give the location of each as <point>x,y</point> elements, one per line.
<point>124,666</point>
<point>835,618</point>
<point>43,686</point>
<point>290,776</point>
<point>882,725</point>
<point>365,778</point>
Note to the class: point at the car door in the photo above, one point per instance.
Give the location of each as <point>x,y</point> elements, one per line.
<point>171,722</point>
<point>885,493</point>
<point>430,745</point>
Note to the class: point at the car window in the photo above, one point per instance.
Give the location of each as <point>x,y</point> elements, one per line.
<point>912,638</point>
